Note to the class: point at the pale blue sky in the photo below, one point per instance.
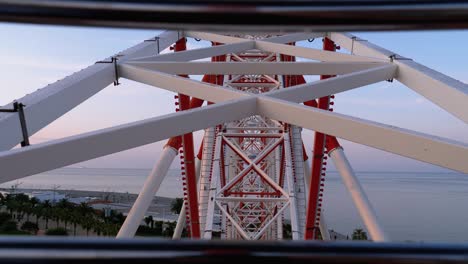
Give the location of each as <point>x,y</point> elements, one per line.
<point>33,56</point>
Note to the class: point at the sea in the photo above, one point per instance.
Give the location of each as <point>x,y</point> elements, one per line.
<point>412,206</point>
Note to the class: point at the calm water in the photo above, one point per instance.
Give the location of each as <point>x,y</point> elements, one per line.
<point>411,206</point>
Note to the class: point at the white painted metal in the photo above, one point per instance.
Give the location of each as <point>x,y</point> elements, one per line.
<point>180,223</point>
<point>368,215</point>
<point>309,91</point>
<point>282,68</point>
<point>50,155</point>
<point>147,193</point>
<point>253,102</point>
<point>324,227</point>
<point>299,177</point>
<point>205,91</point>
<point>215,174</point>
<point>294,37</point>
<point>435,150</point>
<point>271,221</point>
<point>214,37</point>
<point>253,164</point>
<point>233,222</point>
<point>289,174</point>
<point>49,103</point>
<point>446,92</point>
<point>313,54</point>
<point>202,53</point>
<point>209,139</point>
<point>181,218</point>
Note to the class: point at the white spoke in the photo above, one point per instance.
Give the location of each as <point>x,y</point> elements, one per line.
<point>435,150</point>
<point>50,155</point>
<point>294,37</point>
<point>49,103</point>
<point>202,53</point>
<point>281,68</point>
<point>309,91</point>
<point>446,92</point>
<point>205,91</point>
<point>308,53</point>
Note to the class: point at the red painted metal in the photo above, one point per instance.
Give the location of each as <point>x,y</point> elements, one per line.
<point>189,162</point>
<point>313,208</point>
<point>186,141</point>
<point>282,167</point>
<point>331,143</point>
<point>174,142</point>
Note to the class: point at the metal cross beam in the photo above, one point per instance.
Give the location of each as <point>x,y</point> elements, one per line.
<point>253,69</point>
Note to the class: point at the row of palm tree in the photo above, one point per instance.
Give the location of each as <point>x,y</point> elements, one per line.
<point>63,211</point>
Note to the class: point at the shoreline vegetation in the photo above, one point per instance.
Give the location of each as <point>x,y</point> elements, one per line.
<point>21,214</point>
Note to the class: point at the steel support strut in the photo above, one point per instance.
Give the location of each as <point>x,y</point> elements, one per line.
<point>189,162</point>
<point>365,209</point>
<point>318,168</point>
<point>146,195</point>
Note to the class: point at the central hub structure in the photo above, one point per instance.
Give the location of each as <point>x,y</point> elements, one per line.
<point>247,164</point>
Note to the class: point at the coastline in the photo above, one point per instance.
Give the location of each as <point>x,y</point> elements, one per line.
<point>160,207</point>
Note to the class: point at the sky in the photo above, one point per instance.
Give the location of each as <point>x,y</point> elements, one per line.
<point>34,55</point>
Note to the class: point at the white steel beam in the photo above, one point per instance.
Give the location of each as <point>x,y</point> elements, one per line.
<point>205,91</point>
<point>202,53</point>
<point>280,68</point>
<point>271,221</point>
<point>233,221</point>
<point>294,37</point>
<point>365,209</point>
<point>309,91</point>
<point>252,165</point>
<point>213,37</point>
<point>432,149</point>
<point>289,179</point>
<point>323,227</point>
<point>49,103</point>
<point>54,154</point>
<point>265,85</point>
<point>309,53</point>
<point>147,193</point>
<point>444,91</point>
<point>181,221</point>
<point>215,178</point>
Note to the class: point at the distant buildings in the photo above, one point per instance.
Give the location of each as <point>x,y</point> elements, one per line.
<point>42,196</point>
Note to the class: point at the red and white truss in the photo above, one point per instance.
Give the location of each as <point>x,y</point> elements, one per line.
<point>252,171</point>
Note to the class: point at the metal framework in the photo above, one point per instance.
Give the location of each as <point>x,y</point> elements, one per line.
<point>252,169</point>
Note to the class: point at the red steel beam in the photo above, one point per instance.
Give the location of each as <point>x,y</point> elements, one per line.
<point>317,171</point>
<point>189,161</point>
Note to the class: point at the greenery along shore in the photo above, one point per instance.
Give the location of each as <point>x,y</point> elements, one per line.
<point>21,215</point>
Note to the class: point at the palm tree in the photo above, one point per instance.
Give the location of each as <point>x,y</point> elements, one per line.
<point>46,207</point>
<point>176,205</point>
<point>87,224</point>
<point>33,204</point>
<point>2,199</point>
<point>85,209</point>
<point>359,234</point>
<point>74,218</point>
<point>11,204</point>
<point>149,220</point>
